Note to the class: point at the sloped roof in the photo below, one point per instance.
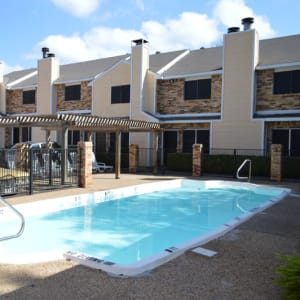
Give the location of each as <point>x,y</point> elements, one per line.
<point>159,60</point>
<point>277,51</point>
<point>15,75</point>
<point>197,61</point>
<point>87,69</point>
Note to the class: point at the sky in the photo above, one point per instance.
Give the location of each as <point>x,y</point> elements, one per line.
<point>80,30</point>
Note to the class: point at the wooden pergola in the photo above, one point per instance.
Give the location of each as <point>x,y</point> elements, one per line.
<point>89,123</point>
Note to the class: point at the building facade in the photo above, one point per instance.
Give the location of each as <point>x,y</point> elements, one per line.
<point>242,95</point>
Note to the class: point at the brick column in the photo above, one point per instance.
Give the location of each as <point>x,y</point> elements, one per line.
<point>22,156</point>
<point>85,164</point>
<point>276,153</point>
<point>133,158</point>
<point>197,157</point>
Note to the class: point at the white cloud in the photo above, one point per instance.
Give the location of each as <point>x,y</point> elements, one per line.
<point>78,8</point>
<point>230,13</point>
<point>190,30</point>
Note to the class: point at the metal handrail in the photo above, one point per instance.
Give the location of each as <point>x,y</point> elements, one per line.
<point>22,222</point>
<point>241,167</point>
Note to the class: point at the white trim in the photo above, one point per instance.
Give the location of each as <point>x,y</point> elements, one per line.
<point>78,111</point>
<point>276,112</point>
<point>286,65</point>
<point>173,62</point>
<point>199,115</point>
<point>72,82</point>
<point>9,85</point>
<point>193,75</point>
<point>184,121</point>
<point>278,119</point>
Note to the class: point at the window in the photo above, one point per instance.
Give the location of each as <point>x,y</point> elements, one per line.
<point>286,82</point>
<point>72,92</point>
<point>120,94</point>
<point>73,137</point>
<point>29,97</point>
<point>197,89</point>
<point>289,139</point>
<point>25,135</point>
<point>191,137</point>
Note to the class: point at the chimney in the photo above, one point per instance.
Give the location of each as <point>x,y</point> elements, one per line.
<point>45,50</point>
<point>233,29</point>
<point>247,22</point>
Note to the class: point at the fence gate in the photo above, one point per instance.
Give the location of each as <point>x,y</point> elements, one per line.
<point>37,169</point>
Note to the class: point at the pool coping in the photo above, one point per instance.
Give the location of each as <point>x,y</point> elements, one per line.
<point>147,264</point>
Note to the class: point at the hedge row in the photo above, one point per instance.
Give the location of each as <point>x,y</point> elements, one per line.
<point>228,164</point>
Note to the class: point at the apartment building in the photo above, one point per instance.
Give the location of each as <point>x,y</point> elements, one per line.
<point>242,95</point>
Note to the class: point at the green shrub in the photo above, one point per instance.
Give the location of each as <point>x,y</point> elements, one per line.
<point>291,167</point>
<point>179,162</point>
<point>290,276</point>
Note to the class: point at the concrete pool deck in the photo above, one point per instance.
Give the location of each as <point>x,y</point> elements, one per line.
<point>242,269</point>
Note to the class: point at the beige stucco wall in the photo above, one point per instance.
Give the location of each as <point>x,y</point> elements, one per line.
<point>48,72</point>
<point>237,129</point>
<point>101,103</point>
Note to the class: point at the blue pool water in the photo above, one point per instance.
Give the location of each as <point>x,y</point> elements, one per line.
<point>133,228</point>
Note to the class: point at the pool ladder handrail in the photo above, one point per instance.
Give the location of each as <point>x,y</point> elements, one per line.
<point>241,167</point>
<point>12,236</point>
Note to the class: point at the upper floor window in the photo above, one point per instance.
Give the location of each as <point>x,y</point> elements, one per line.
<point>120,94</point>
<point>197,89</point>
<point>29,97</point>
<point>72,92</point>
<point>286,82</point>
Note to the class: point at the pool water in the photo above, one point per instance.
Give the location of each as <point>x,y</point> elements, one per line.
<point>130,229</point>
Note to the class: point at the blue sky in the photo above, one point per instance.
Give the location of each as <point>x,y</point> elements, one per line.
<point>78,30</point>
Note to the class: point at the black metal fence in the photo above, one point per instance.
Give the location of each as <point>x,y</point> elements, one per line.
<point>37,170</point>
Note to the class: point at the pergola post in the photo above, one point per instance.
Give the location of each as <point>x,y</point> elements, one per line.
<point>118,155</point>
<point>64,155</point>
<point>154,152</point>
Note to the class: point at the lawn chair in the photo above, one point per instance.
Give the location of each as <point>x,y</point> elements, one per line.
<point>100,167</point>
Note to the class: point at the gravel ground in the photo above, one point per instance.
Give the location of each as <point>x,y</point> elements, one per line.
<point>242,269</point>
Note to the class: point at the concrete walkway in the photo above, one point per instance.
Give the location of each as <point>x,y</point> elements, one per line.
<point>242,269</point>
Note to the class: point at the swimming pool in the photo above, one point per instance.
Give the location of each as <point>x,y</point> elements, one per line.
<point>130,230</point>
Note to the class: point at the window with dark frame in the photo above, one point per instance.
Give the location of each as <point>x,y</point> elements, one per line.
<point>29,97</point>
<point>289,139</point>
<point>120,94</point>
<point>72,92</point>
<point>26,134</point>
<point>197,89</point>
<point>191,137</point>
<point>286,82</point>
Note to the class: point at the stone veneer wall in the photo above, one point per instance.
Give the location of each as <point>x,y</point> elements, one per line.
<point>85,164</point>
<point>266,100</point>
<point>170,97</point>
<point>14,103</point>
<point>85,101</point>
<point>133,158</point>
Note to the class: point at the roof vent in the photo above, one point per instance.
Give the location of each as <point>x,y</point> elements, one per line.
<point>247,22</point>
<point>157,52</point>
<point>233,29</point>
<point>45,50</point>
<point>51,55</point>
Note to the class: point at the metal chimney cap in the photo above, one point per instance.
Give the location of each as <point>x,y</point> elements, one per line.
<point>140,41</point>
<point>248,20</point>
<point>51,55</point>
<point>233,29</point>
